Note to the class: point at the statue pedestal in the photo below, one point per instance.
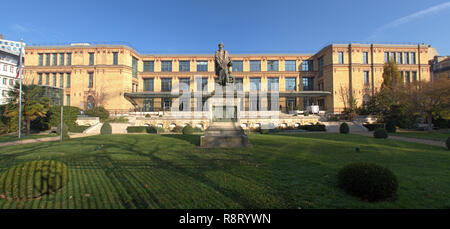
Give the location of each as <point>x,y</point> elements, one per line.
<point>224,135</point>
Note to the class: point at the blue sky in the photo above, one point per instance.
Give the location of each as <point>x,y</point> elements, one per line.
<point>197,26</point>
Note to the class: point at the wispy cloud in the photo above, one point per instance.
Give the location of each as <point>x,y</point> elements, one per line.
<point>411,17</point>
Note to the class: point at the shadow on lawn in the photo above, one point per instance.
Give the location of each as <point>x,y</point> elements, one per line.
<point>193,139</point>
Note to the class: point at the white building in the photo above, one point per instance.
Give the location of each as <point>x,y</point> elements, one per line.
<point>9,56</point>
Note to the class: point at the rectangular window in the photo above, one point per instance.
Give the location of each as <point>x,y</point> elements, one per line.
<point>272,65</point>
<point>291,84</point>
<point>407,77</point>
<point>202,84</point>
<point>238,66</point>
<point>399,58</point>
<point>91,80</point>
<point>202,66</point>
<point>41,59</point>
<point>69,59</point>
<point>61,80</point>
<point>149,66</point>
<point>47,59</point>
<point>166,84</point>
<point>365,58</point>
<point>320,66</point>
<point>47,79</point>
<point>308,83</point>
<point>239,84</point>
<point>68,80</point>
<point>185,84</point>
<point>255,84</point>
<point>185,66</point>
<point>386,57</point>
<point>340,57</point>
<point>11,82</point>
<point>166,104</point>
<point>61,59</point>
<point>255,65</point>
<point>67,99</point>
<point>55,59</point>
<point>39,78</point>
<point>91,58</point>
<point>149,84</point>
<point>366,78</point>
<point>115,58</point>
<point>290,65</point>
<point>307,66</point>
<point>272,84</point>
<point>54,79</point>
<point>413,58</point>
<point>134,67</point>
<point>392,56</point>
<point>406,57</point>
<point>148,105</point>
<point>414,76</point>
<point>166,66</point>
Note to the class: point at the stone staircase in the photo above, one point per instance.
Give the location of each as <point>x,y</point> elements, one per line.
<point>95,129</point>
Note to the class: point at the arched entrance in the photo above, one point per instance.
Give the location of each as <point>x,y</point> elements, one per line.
<point>90,102</point>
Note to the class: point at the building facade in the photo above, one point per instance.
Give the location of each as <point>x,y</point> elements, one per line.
<point>440,67</point>
<point>9,56</point>
<point>123,80</point>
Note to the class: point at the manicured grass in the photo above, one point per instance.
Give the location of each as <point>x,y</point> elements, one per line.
<point>280,171</point>
<point>24,137</point>
<point>434,135</point>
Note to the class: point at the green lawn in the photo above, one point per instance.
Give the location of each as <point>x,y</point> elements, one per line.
<point>434,135</point>
<point>280,171</point>
<point>32,136</point>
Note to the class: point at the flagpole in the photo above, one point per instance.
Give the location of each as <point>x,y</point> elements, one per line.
<point>20,89</point>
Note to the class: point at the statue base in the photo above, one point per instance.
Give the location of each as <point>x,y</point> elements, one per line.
<point>224,135</point>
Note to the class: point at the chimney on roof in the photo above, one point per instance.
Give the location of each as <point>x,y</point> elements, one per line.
<point>1,36</point>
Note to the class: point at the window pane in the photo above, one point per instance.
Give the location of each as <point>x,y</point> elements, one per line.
<point>255,84</point>
<point>91,58</point>
<point>91,80</point>
<point>115,58</point>
<point>166,66</point>
<point>272,65</point>
<point>61,59</point>
<point>149,66</point>
<point>255,66</point>
<point>272,84</point>
<point>166,84</point>
<point>148,84</point>
<point>184,66</point>
<point>290,84</point>
<point>290,65</point>
<point>202,66</point>
<point>68,80</point>
<point>237,66</point>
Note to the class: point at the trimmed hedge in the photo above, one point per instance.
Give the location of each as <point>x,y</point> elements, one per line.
<point>198,130</point>
<point>177,129</point>
<point>100,112</point>
<point>368,181</point>
<point>137,129</point>
<point>344,129</point>
<point>380,133</point>
<point>188,130</point>
<point>448,143</point>
<point>372,127</point>
<point>315,127</point>
<point>106,128</point>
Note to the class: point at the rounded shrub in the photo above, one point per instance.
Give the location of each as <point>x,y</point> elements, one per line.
<point>198,130</point>
<point>177,129</point>
<point>188,129</point>
<point>390,127</point>
<point>380,133</point>
<point>264,131</point>
<point>44,177</point>
<point>106,128</point>
<point>368,181</point>
<point>151,130</point>
<point>448,143</point>
<point>344,129</point>
<point>100,112</point>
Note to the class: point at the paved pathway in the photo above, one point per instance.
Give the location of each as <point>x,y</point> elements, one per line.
<point>407,139</point>
<point>48,139</point>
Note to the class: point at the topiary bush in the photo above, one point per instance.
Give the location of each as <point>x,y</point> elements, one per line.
<point>160,130</point>
<point>65,131</point>
<point>368,181</point>
<point>380,133</point>
<point>43,177</point>
<point>448,143</point>
<point>390,127</point>
<point>198,130</point>
<point>344,129</point>
<point>100,112</point>
<point>106,128</point>
<point>188,129</point>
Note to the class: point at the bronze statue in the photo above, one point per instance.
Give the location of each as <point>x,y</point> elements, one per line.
<point>223,64</point>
